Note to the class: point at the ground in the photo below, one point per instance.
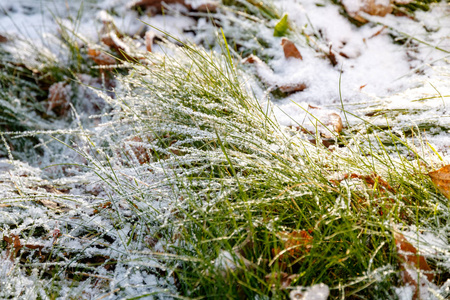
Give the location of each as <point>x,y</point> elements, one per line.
<point>240,149</point>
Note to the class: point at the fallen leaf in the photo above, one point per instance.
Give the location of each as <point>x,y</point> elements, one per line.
<point>149,37</point>
<point>371,180</point>
<point>335,120</point>
<point>329,119</point>
<point>372,7</point>
<point>13,245</point>
<point>290,50</point>
<point>58,207</point>
<point>207,7</point>
<point>262,69</point>
<point>59,98</point>
<point>332,57</point>
<point>296,243</point>
<point>3,39</point>
<point>138,149</point>
<point>441,178</point>
<point>155,5</point>
<point>412,262</point>
<point>292,88</point>
<point>100,57</point>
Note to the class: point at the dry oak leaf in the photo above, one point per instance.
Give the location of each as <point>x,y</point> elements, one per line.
<point>372,7</point>
<point>441,178</point>
<point>412,262</point>
<point>290,50</point>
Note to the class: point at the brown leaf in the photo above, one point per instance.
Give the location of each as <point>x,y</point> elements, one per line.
<point>292,88</point>
<point>297,242</point>
<point>13,245</point>
<point>3,39</point>
<point>155,5</point>
<point>335,120</point>
<point>100,57</point>
<point>411,260</point>
<point>290,50</point>
<point>330,119</point>
<point>207,7</point>
<point>102,206</point>
<point>441,178</point>
<point>149,37</point>
<point>251,60</point>
<point>141,153</point>
<point>59,98</point>
<point>371,7</point>
<point>371,180</point>
<point>54,205</point>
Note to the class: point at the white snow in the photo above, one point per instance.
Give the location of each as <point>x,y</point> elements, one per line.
<point>410,79</point>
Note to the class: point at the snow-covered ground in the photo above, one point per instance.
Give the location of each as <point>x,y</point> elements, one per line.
<point>404,84</point>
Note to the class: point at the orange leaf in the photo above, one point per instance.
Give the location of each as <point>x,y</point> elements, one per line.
<point>149,37</point>
<point>298,241</point>
<point>441,178</point>
<point>100,58</point>
<point>411,260</point>
<point>290,50</point>
<point>13,246</point>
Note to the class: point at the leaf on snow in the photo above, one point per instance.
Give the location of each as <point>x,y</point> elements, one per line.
<point>441,178</point>
<point>411,263</point>
<point>290,50</point>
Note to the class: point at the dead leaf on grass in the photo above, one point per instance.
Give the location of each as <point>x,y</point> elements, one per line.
<point>52,205</point>
<point>13,245</point>
<point>59,98</point>
<point>296,243</point>
<point>100,57</point>
<point>441,178</point>
<point>149,37</point>
<point>138,149</point>
<point>412,262</point>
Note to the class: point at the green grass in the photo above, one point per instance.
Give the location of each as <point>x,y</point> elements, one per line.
<point>240,180</point>
<point>191,167</point>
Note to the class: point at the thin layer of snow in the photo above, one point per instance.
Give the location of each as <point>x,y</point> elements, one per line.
<point>316,292</point>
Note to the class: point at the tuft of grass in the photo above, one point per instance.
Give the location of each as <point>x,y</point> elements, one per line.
<point>239,183</point>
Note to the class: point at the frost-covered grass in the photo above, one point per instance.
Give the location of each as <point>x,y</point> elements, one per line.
<point>190,187</point>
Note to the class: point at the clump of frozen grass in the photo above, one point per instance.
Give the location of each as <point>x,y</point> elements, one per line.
<point>212,172</point>
<point>192,187</point>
